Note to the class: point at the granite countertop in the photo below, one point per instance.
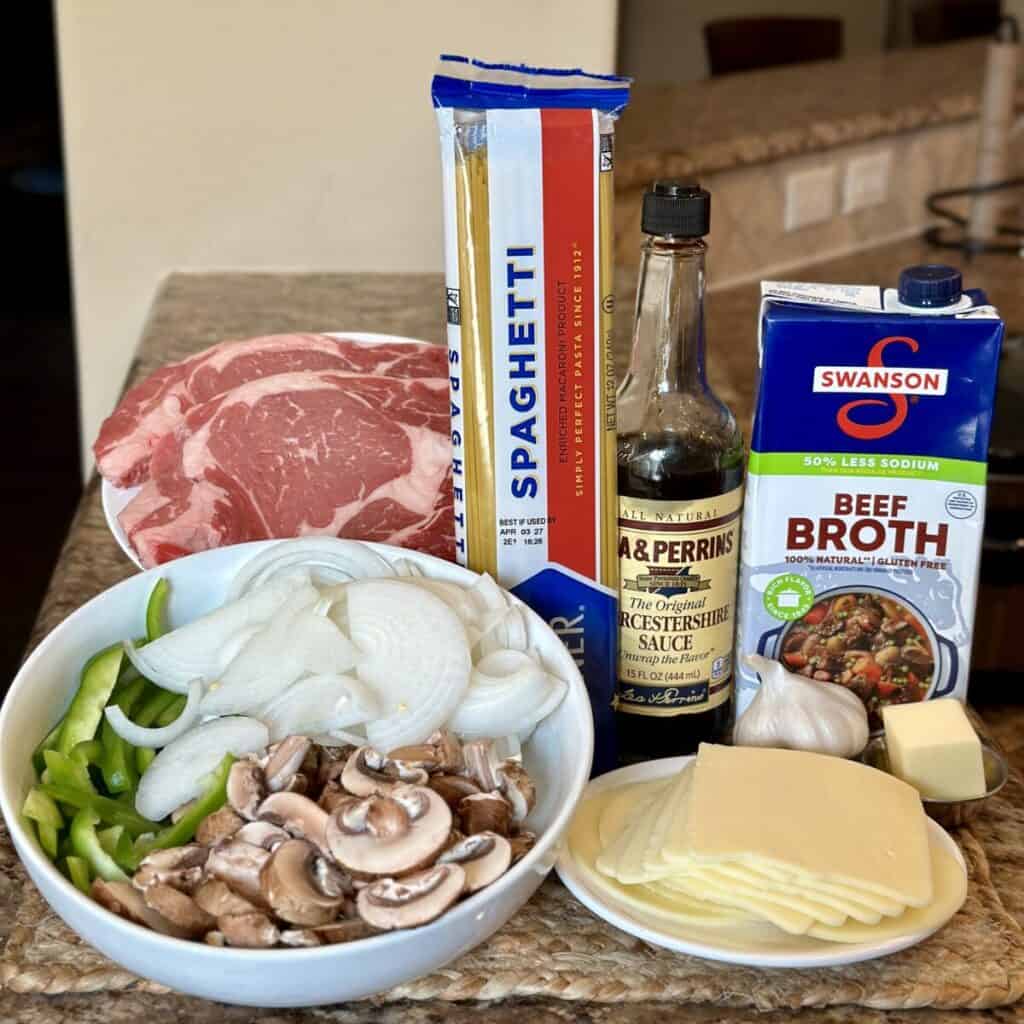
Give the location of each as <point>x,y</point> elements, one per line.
<point>192,311</point>
<point>737,120</point>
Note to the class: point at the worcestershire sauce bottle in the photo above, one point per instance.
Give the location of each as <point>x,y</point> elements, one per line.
<point>680,480</point>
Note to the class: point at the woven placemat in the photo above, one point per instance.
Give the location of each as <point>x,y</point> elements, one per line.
<point>554,947</point>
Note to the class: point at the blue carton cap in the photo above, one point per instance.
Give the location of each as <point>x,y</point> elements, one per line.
<point>930,285</point>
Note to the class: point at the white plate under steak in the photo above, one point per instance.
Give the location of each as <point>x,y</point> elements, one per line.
<point>114,498</point>
<point>778,949</point>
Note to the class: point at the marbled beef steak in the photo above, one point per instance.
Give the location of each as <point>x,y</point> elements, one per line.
<point>229,454</point>
<point>157,405</point>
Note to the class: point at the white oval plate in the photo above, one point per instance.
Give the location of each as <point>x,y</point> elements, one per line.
<point>114,498</point>
<point>777,948</point>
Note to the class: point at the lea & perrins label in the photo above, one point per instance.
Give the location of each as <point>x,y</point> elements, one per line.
<point>677,603</point>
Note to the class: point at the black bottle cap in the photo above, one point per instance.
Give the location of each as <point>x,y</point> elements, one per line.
<point>678,208</point>
<point>930,284</point>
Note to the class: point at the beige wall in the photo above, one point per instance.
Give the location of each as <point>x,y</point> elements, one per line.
<point>265,134</point>
<point>664,39</point>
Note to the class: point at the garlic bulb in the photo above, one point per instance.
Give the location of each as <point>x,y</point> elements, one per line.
<point>797,713</point>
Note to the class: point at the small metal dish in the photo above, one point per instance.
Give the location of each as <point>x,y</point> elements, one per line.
<point>949,813</point>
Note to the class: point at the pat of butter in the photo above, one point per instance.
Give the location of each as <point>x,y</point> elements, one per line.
<point>934,747</point>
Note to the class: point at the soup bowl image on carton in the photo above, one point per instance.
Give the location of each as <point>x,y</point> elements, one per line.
<point>866,497</point>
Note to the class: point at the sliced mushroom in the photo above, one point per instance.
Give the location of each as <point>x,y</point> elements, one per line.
<point>389,835</point>
<point>482,764</point>
<point>219,825</point>
<point>298,938</point>
<point>246,788</point>
<point>484,858</point>
<point>442,753</point>
<point>180,909</point>
<point>284,761</point>
<point>299,783</point>
<point>215,938</point>
<point>522,843</point>
<point>238,864</point>
<point>518,789</point>
<point>331,795</point>
<point>414,900</point>
<point>262,833</point>
<point>218,899</point>
<point>452,788</point>
<point>485,812</point>
<point>331,763</point>
<point>122,899</point>
<point>293,885</point>
<point>180,867</point>
<point>248,931</point>
<point>347,930</point>
<point>296,814</point>
<point>368,771</point>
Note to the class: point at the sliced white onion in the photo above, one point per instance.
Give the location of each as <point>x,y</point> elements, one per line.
<point>284,651</point>
<point>204,648</point>
<point>140,736</point>
<point>511,631</point>
<point>356,735</point>
<point>406,567</point>
<point>328,559</point>
<point>487,593</point>
<point>509,693</point>
<point>319,704</point>
<point>179,772</point>
<point>415,657</point>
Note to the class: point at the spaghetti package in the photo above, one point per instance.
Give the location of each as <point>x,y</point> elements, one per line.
<point>527,157</point>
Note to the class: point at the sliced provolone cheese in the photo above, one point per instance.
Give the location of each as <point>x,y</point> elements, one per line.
<point>835,820</point>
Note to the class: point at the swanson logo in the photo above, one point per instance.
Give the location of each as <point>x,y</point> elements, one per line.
<point>877,378</point>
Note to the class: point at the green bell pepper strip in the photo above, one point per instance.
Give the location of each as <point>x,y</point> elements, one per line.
<point>171,712</point>
<point>87,846</point>
<point>118,844</point>
<point>49,742</point>
<point>118,764</point>
<point>155,705</point>
<point>65,771</point>
<point>155,609</point>
<point>87,752</point>
<point>97,683</point>
<point>49,839</point>
<point>112,812</point>
<point>79,873</point>
<point>184,829</point>
<point>42,808</point>
<point>64,848</point>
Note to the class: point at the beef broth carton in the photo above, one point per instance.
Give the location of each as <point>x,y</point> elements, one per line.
<point>866,492</point>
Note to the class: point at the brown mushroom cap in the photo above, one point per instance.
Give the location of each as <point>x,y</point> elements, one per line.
<point>178,908</point>
<point>284,761</point>
<point>248,931</point>
<point>180,867</point>
<point>246,788</point>
<point>452,788</point>
<point>262,833</point>
<point>122,899</point>
<point>296,814</point>
<point>482,764</point>
<point>518,789</point>
<point>442,752</point>
<point>238,865</point>
<point>218,899</point>
<point>331,795</point>
<point>485,812</point>
<point>389,835</point>
<point>484,857</point>
<point>414,900</point>
<point>368,771</point>
<point>294,885</point>
<point>220,825</point>
<point>522,843</point>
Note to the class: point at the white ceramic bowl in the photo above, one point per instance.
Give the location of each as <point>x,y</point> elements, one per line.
<point>558,757</point>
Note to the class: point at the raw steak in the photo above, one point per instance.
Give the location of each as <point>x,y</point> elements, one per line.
<point>156,406</point>
<point>294,454</point>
